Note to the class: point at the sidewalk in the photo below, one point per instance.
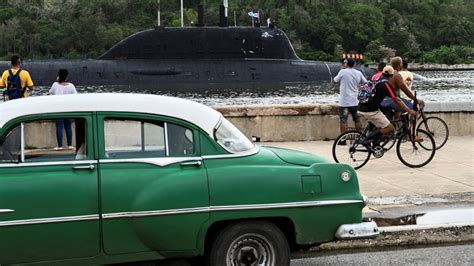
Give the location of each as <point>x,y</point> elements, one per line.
<point>450,172</point>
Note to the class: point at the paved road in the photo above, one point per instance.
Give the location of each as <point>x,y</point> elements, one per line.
<point>446,255</point>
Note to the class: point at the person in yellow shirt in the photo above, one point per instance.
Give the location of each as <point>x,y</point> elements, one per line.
<point>25,78</point>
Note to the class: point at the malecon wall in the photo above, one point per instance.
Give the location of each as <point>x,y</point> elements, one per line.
<point>321,121</point>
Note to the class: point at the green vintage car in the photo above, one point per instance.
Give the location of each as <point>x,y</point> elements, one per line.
<point>153,177</point>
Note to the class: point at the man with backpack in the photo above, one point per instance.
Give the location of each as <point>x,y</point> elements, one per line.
<point>15,80</point>
<point>369,104</point>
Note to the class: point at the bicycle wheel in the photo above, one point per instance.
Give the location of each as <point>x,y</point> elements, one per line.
<point>347,149</point>
<point>416,154</point>
<point>437,128</point>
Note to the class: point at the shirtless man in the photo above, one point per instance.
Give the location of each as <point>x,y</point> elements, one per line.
<point>398,83</point>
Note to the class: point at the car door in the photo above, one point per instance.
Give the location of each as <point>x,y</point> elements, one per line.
<point>48,198</point>
<point>154,186</point>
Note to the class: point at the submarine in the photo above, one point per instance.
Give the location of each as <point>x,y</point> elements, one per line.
<point>193,58</point>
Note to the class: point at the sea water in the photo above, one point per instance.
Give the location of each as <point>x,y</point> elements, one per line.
<point>440,86</point>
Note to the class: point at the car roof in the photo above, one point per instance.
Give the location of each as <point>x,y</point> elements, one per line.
<point>202,116</point>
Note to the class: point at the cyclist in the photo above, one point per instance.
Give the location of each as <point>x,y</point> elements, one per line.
<point>371,109</point>
<point>377,75</point>
<point>398,83</point>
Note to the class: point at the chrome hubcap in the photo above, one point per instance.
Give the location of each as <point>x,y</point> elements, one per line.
<point>250,250</point>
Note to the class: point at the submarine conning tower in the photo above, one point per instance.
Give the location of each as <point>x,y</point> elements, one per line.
<point>204,43</point>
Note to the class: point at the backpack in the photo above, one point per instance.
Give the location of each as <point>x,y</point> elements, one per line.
<point>14,89</point>
<point>367,90</point>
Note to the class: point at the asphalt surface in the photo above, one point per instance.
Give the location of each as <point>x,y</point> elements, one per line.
<point>443,255</point>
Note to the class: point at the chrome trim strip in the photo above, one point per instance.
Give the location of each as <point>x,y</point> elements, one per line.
<point>51,220</point>
<point>22,142</point>
<point>176,211</point>
<point>219,122</point>
<point>167,150</point>
<point>252,151</point>
<point>283,205</point>
<point>227,208</point>
<point>163,161</point>
<point>154,213</point>
<point>73,163</point>
<point>6,210</point>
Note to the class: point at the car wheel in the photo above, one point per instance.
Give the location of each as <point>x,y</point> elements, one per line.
<point>250,243</point>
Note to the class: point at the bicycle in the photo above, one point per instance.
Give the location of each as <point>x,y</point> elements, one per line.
<point>435,126</point>
<point>410,152</point>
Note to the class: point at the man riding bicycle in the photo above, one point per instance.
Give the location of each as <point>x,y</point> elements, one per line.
<point>370,109</point>
<point>399,84</point>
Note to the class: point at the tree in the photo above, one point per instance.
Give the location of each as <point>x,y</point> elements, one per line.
<point>363,23</point>
<point>455,31</point>
<point>450,54</point>
<point>87,28</point>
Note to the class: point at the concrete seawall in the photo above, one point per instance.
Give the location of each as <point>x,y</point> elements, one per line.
<point>320,121</point>
<point>287,122</point>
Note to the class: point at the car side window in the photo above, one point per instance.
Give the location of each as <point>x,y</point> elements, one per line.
<point>133,139</point>
<point>144,139</point>
<point>10,149</point>
<point>46,140</point>
<point>180,141</point>
<point>55,140</point>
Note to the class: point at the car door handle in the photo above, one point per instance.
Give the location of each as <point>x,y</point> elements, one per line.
<point>193,163</point>
<point>89,167</point>
<point>6,210</point>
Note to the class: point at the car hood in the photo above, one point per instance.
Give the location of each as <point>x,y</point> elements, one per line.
<point>296,157</point>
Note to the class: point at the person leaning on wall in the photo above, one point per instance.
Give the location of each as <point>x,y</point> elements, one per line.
<point>61,87</point>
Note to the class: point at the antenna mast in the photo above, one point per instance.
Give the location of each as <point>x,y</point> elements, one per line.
<point>158,14</point>
<point>182,15</point>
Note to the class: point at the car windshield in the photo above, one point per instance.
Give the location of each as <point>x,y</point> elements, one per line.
<point>229,137</point>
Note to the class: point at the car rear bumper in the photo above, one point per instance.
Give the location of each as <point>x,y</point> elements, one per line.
<point>359,230</point>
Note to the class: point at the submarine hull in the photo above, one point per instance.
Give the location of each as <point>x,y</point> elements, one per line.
<point>183,74</point>
<point>192,59</point>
